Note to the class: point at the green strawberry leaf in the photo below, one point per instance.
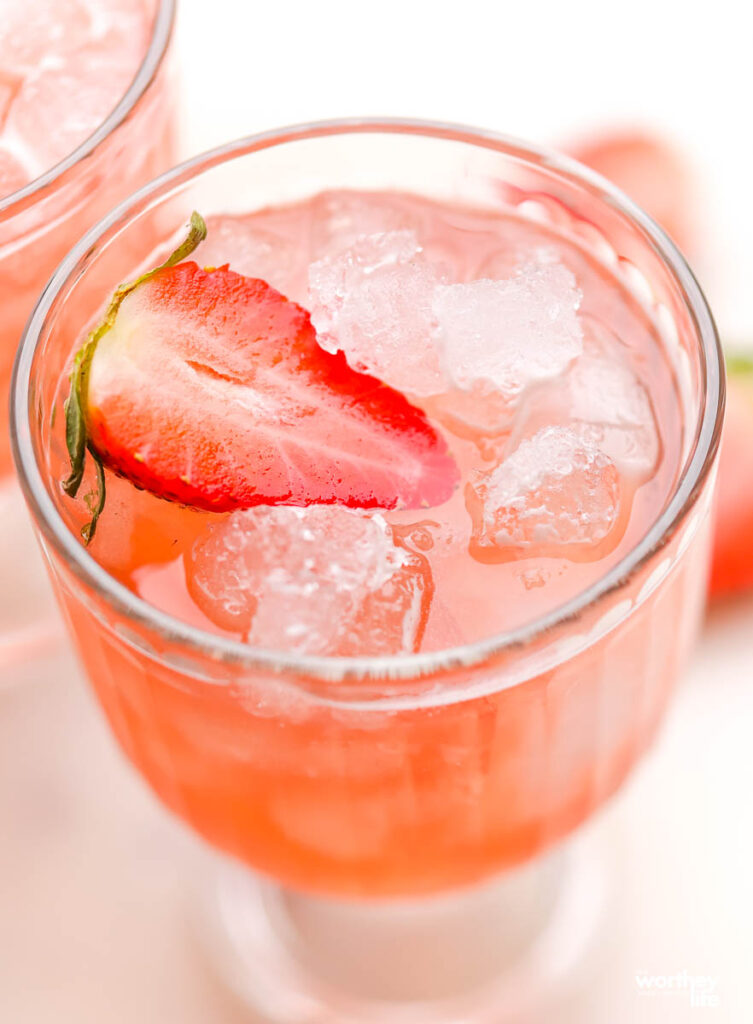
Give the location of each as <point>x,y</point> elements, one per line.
<point>75,406</point>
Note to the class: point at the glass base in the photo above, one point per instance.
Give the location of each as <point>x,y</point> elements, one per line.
<point>489,955</point>
<point>30,623</point>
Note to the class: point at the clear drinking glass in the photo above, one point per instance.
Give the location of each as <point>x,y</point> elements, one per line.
<point>38,225</point>
<point>394,823</point>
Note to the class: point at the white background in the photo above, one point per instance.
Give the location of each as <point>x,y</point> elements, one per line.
<point>94,926</point>
<point>546,71</point>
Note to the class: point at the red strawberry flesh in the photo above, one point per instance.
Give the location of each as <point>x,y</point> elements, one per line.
<point>210,389</point>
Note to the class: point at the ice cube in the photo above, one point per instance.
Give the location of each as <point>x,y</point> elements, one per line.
<point>607,397</point>
<point>516,244</point>
<point>37,33</point>
<point>10,84</point>
<point>77,62</point>
<point>318,580</point>
<point>340,219</point>
<point>54,112</point>
<point>374,302</point>
<point>13,174</point>
<point>513,332</point>
<point>254,251</point>
<point>556,494</point>
<point>601,393</point>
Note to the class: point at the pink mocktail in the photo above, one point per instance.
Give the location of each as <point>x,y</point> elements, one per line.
<point>378,693</point>
<point>551,389</point>
<point>542,374</point>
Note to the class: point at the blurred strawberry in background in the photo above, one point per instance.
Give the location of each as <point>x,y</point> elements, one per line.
<point>732,566</point>
<point>651,171</point>
<point>654,173</point>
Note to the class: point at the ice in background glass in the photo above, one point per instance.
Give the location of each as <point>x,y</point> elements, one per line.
<point>86,115</point>
<point>379,778</point>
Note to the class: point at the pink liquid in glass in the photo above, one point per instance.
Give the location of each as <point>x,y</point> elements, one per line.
<point>544,376</point>
<point>552,388</point>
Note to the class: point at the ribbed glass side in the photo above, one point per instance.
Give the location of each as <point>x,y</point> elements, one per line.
<point>373,802</point>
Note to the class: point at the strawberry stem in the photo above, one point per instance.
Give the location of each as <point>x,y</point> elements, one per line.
<point>76,438</point>
<point>98,502</point>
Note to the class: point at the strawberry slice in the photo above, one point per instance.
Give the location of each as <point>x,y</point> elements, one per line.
<point>732,561</point>
<point>209,388</point>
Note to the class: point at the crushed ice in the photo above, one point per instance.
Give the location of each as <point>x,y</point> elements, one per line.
<point>319,580</point>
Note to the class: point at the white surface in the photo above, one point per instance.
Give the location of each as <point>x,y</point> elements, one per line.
<point>545,72</point>
<point>93,919</point>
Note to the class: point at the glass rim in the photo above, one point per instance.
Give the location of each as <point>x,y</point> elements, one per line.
<point>46,182</point>
<point>394,667</point>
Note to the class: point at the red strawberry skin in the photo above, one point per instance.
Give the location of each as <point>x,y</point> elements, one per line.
<point>732,563</point>
<point>211,390</point>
